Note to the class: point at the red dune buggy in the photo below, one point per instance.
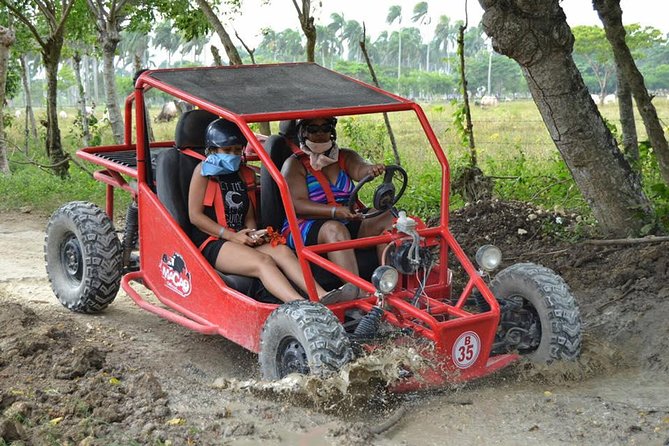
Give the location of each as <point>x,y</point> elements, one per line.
<point>473,328</point>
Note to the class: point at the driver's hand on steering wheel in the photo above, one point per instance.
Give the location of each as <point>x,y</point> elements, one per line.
<point>344,213</point>
<point>375,169</point>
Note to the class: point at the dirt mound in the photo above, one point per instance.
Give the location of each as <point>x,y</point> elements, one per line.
<point>58,386</point>
<point>622,290</point>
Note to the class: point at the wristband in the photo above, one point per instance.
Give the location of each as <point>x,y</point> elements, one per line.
<point>220,233</point>
<point>333,211</point>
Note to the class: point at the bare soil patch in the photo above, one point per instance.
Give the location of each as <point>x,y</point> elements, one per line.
<point>128,377</point>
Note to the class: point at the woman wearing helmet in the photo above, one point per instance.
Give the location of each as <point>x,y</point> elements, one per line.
<point>324,219</point>
<point>231,234</point>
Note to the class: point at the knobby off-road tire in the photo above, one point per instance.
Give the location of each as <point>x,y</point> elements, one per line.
<point>547,296</point>
<point>302,337</point>
<point>83,257</point>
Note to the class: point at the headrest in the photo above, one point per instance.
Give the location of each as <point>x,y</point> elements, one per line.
<point>288,128</point>
<point>192,128</point>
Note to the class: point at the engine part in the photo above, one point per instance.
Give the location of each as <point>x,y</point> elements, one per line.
<point>130,236</point>
<point>405,260</point>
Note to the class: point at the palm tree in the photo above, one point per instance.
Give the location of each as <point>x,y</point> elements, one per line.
<point>196,45</point>
<point>327,43</point>
<point>134,45</point>
<point>352,34</point>
<point>444,35</point>
<point>167,39</point>
<point>289,45</point>
<point>420,16</point>
<point>336,26</point>
<point>395,14</point>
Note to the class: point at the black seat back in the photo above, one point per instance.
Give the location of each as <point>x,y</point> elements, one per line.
<point>273,213</point>
<point>174,170</point>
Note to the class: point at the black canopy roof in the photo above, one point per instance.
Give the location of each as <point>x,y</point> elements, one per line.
<point>267,89</point>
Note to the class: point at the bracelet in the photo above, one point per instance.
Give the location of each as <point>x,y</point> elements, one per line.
<point>333,211</point>
<point>220,233</point>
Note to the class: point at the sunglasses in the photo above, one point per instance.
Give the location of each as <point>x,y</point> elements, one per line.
<point>323,128</point>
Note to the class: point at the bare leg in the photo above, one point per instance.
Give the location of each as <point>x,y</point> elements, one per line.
<point>234,258</point>
<point>375,226</point>
<point>287,261</point>
<point>334,231</point>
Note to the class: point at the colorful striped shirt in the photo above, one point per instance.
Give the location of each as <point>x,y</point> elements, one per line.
<point>341,190</point>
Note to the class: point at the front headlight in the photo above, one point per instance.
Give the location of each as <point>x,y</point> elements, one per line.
<point>488,257</point>
<point>385,279</point>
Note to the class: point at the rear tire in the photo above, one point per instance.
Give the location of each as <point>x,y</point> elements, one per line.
<point>83,257</point>
<point>302,337</point>
<point>534,296</point>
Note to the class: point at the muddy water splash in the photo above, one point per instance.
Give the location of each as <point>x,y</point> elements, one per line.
<point>355,385</point>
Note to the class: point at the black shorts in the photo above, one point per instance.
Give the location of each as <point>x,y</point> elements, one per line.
<point>353,227</point>
<point>211,250</point>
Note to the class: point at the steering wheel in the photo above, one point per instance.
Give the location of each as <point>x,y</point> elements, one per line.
<point>385,195</point>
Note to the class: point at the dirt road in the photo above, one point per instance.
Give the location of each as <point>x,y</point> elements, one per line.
<point>128,377</point>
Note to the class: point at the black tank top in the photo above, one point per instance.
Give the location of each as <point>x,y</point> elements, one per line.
<point>236,203</point>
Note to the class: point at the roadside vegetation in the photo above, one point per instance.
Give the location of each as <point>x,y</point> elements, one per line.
<point>513,146</point>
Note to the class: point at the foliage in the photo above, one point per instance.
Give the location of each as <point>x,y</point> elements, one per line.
<point>13,79</point>
<point>367,138</point>
<point>655,188</point>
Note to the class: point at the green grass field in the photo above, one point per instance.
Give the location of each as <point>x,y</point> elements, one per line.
<point>512,143</point>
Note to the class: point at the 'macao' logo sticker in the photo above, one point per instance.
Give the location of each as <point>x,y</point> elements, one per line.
<point>176,275</point>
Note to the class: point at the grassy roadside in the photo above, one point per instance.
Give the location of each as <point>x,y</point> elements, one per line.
<point>512,142</point>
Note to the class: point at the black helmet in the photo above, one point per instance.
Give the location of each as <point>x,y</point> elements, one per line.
<point>301,131</point>
<point>223,133</point>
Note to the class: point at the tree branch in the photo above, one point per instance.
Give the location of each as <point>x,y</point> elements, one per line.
<point>627,241</point>
<point>19,15</point>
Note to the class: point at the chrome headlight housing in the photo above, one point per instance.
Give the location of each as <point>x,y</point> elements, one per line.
<point>385,279</point>
<point>488,257</point>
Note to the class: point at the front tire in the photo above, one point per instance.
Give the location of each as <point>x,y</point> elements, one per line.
<point>302,337</point>
<point>83,257</point>
<point>539,315</point>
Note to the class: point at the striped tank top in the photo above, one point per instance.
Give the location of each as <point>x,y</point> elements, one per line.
<point>341,190</point>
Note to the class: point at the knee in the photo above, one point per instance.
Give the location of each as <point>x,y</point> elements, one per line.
<point>264,262</point>
<point>333,231</point>
<point>284,252</point>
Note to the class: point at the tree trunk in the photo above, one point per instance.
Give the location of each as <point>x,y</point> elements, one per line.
<point>54,148</point>
<point>85,134</point>
<point>537,36</point>
<point>626,112</point>
<point>217,56</point>
<point>7,39</point>
<point>230,50</point>
<point>308,27</point>
<point>137,62</point>
<point>469,127</point>
<point>96,82</point>
<point>611,16</point>
<point>30,114</point>
<point>109,78</point>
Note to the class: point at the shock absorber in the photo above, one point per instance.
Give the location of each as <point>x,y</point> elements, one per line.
<point>130,234</point>
<point>369,324</point>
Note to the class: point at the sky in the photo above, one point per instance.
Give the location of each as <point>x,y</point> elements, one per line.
<point>280,14</point>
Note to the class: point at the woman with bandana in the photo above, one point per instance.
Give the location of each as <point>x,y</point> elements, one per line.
<point>226,236</point>
<point>323,216</point>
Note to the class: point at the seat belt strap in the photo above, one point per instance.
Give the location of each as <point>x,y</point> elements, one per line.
<point>324,183</point>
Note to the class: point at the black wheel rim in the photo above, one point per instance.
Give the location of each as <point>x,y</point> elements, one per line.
<point>71,258</point>
<point>292,358</point>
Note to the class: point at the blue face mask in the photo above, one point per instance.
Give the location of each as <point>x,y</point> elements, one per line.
<point>220,164</point>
